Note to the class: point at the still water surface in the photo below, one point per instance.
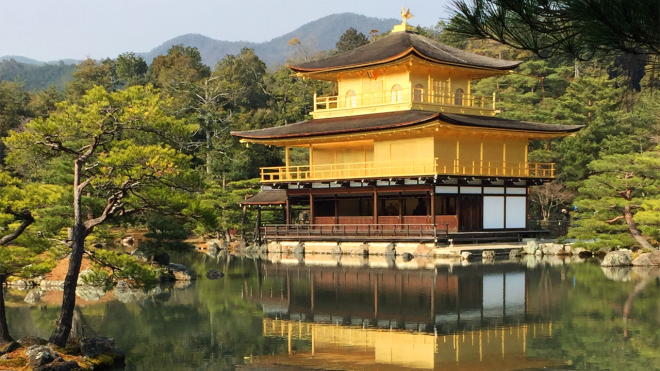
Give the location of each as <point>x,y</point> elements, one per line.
<point>511,315</point>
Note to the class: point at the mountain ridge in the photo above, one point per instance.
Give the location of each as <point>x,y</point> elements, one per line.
<point>318,35</point>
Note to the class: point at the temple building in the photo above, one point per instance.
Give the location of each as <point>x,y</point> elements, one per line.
<point>405,150</point>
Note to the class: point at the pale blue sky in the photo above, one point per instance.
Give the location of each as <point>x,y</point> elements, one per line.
<point>58,29</point>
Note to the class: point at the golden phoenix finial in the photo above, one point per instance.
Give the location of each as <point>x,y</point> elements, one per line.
<point>406,15</point>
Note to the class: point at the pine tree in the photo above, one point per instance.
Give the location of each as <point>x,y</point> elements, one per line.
<point>619,201</point>
<point>350,40</point>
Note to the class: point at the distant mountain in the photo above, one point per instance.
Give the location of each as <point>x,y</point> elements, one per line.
<point>321,34</point>
<point>318,35</point>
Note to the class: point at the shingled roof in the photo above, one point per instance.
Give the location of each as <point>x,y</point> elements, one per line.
<point>398,45</point>
<point>392,120</point>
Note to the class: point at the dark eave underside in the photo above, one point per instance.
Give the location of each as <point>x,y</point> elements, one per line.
<point>398,45</point>
<point>393,120</point>
<point>267,197</point>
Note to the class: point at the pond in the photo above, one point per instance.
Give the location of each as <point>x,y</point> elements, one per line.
<point>359,314</point>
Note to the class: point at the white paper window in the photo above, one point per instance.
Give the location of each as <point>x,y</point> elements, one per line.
<point>516,191</point>
<point>493,212</point>
<point>471,190</point>
<point>516,212</point>
<point>446,189</point>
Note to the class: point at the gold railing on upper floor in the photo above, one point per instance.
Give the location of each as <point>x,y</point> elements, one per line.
<point>407,95</point>
<point>405,168</point>
<point>499,168</point>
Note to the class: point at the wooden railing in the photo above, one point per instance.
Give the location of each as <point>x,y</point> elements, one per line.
<point>499,168</point>
<point>404,95</point>
<point>356,230</point>
<point>349,170</point>
<point>406,168</point>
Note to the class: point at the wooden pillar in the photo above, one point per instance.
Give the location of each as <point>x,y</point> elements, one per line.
<point>469,92</point>
<point>287,212</point>
<point>400,208</point>
<point>243,222</point>
<point>336,210</point>
<point>548,143</point>
<point>287,162</point>
<point>311,207</point>
<point>375,219</point>
<point>432,208</point>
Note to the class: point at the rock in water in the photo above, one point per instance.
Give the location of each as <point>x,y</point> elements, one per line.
<point>422,250</point>
<point>531,247</point>
<point>336,249</point>
<point>390,249</point>
<point>92,347</point>
<point>407,257</point>
<point>214,275</point>
<point>34,295</point>
<point>619,258</point>
<point>554,249</point>
<point>181,273</point>
<point>364,249</point>
<point>39,355</point>
<point>90,293</point>
<point>465,255</point>
<point>515,253</point>
<point>214,247</point>
<point>488,255</point>
<point>647,260</point>
<point>299,249</point>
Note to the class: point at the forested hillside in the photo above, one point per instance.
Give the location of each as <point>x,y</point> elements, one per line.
<point>37,76</point>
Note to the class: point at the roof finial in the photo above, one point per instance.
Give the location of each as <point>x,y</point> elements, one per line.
<point>406,15</point>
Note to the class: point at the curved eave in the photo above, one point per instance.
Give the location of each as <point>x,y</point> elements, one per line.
<point>243,136</point>
<point>409,51</point>
<point>429,122</point>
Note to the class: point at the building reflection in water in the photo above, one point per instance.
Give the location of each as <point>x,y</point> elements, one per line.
<point>472,318</point>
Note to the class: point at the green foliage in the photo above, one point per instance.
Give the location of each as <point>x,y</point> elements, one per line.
<point>182,65</point>
<point>350,40</point>
<point>97,277</point>
<point>26,257</point>
<point>619,184</point>
<point>89,74</point>
<point>131,69</point>
<point>123,267</point>
<point>579,29</point>
<point>224,201</point>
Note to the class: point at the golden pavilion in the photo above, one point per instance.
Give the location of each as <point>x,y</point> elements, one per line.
<point>405,150</point>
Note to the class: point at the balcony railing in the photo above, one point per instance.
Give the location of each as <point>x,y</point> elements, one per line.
<point>404,168</point>
<point>397,96</point>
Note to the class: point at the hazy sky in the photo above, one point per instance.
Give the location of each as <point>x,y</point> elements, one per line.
<point>58,29</point>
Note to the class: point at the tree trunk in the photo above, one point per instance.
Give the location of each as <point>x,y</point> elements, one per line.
<point>627,213</point>
<point>62,330</point>
<point>64,323</point>
<point>4,328</point>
